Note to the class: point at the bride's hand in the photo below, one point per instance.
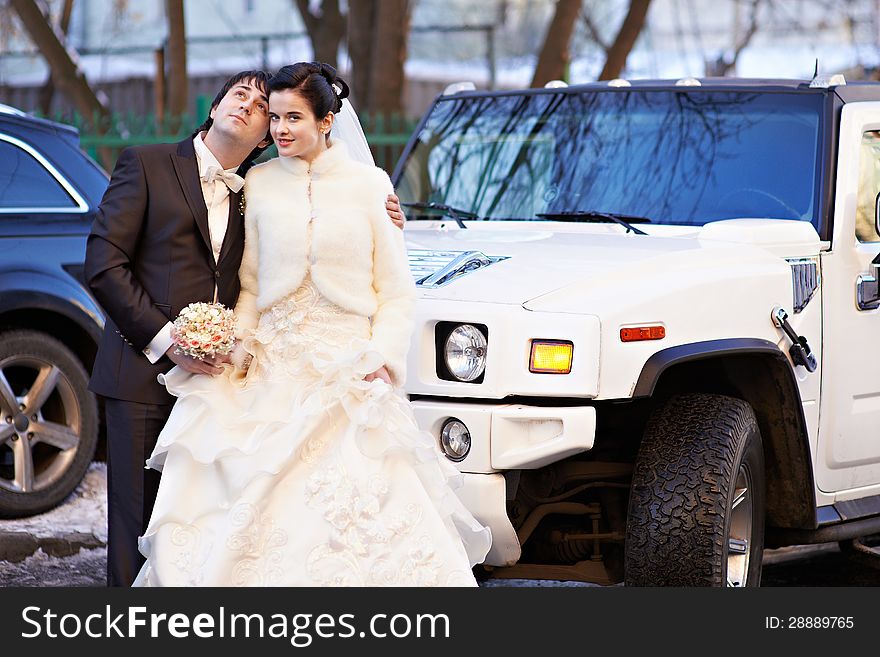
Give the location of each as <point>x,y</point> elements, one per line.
<point>381,373</point>
<point>239,356</point>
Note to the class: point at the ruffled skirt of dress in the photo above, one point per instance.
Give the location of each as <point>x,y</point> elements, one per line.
<point>304,474</point>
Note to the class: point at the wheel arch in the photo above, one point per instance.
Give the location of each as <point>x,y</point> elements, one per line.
<point>757,372</point>
<point>75,321</point>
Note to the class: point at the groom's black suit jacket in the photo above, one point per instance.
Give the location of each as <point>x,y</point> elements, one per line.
<point>148,256</point>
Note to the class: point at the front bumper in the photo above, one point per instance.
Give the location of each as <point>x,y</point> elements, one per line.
<point>507,437</point>
<point>484,496</point>
<point>512,436</point>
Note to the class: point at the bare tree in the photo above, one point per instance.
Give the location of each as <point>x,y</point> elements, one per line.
<point>389,45</point>
<point>48,90</point>
<point>725,64</point>
<point>361,25</point>
<point>618,50</point>
<point>555,55</point>
<point>377,44</point>
<point>326,28</point>
<point>70,79</point>
<point>176,62</point>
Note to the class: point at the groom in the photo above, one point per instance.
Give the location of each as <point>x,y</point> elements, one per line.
<point>168,232</point>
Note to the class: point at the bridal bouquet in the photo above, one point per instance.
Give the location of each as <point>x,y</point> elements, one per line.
<point>204,329</point>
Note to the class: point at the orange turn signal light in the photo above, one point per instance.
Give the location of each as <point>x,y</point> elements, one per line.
<point>551,356</point>
<point>639,333</point>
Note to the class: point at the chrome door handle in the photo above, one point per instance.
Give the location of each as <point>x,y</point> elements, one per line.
<point>867,296</point>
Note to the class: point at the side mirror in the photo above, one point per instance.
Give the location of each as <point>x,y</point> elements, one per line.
<point>868,285</point>
<point>877,214</point>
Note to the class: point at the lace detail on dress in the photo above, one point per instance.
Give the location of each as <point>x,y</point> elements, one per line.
<point>259,542</point>
<point>365,539</point>
<point>301,323</point>
<point>191,554</point>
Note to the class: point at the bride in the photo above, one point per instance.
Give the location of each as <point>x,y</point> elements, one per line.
<point>301,464</point>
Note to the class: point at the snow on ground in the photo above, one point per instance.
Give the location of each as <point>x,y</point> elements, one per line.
<point>84,511</point>
<point>88,568</point>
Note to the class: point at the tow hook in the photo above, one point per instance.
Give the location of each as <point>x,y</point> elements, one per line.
<point>800,351</point>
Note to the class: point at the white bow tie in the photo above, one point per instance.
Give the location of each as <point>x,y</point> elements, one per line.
<point>232,180</point>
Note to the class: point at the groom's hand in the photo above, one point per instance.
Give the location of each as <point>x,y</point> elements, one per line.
<point>392,205</point>
<point>193,365</point>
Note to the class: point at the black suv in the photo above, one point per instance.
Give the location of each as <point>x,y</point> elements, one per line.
<point>49,322</point>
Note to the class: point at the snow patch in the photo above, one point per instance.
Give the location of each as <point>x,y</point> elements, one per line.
<point>86,568</point>
<point>84,510</point>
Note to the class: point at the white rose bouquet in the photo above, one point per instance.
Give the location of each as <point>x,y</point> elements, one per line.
<point>204,329</point>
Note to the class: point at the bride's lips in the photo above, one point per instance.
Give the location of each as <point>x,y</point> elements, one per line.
<point>283,142</point>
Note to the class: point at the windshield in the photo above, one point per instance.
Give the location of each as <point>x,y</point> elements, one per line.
<point>669,157</point>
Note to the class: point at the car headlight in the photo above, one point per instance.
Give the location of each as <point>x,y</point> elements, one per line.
<point>455,439</point>
<point>465,352</point>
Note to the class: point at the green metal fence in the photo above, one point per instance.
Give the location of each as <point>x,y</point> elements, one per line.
<point>387,135</point>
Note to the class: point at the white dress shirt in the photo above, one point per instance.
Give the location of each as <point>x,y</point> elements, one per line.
<point>216,196</point>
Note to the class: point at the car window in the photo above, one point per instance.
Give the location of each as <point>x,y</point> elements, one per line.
<point>869,186</point>
<point>674,157</point>
<point>26,184</point>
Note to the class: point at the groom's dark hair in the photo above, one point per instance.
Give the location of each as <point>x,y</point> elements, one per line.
<point>259,79</point>
<point>318,83</point>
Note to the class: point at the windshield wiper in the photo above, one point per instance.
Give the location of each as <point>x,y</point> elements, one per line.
<point>593,215</point>
<point>454,213</point>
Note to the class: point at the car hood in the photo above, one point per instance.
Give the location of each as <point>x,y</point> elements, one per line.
<point>538,262</point>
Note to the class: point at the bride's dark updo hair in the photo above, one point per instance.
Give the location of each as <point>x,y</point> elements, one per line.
<point>316,81</point>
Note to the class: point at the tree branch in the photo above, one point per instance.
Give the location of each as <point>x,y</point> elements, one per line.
<point>309,19</point>
<point>625,40</point>
<point>594,32</point>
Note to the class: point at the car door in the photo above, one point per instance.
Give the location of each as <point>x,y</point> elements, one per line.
<point>848,450</point>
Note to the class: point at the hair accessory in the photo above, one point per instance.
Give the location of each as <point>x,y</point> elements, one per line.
<point>336,88</point>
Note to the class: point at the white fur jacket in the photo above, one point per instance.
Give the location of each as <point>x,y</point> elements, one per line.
<point>358,259</point>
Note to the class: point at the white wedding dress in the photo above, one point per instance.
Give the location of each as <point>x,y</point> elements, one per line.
<point>303,474</point>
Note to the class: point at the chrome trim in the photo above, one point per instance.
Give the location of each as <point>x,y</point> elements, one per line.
<point>433,269</point>
<point>866,301</point>
<point>81,206</point>
<point>8,109</point>
<point>805,280</point>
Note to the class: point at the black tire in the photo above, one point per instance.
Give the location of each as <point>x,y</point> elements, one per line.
<point>61,440</point>
<point>681,518</point>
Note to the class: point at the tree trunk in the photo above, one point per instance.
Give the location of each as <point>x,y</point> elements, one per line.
<point>326,29</point>
<point>625,40</point>
<point>70,80</point>
<point>361,25</point>
<point>390,33</point>
<point>175,62</point>
<point>555,55</point>
<point>48,90</point>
